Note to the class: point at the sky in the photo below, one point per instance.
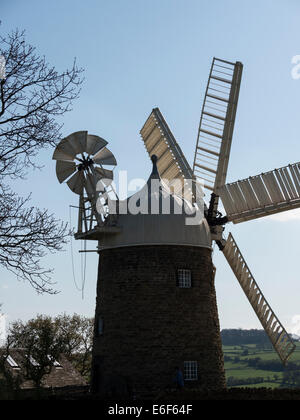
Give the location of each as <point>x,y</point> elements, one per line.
<point>138,55</point>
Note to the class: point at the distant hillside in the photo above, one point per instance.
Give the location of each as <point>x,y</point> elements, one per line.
<point>242,337</point>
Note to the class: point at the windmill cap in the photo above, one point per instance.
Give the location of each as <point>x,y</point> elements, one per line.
<point>155,215</point>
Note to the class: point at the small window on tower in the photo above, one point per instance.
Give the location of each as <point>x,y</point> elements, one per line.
<point>100,326</point>
<point>190,371</point>
<point>184,278</point>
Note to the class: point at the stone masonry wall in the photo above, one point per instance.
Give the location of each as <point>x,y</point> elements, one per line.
<point>150,325</point>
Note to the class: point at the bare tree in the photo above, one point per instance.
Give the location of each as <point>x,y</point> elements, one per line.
<point>33,95</point>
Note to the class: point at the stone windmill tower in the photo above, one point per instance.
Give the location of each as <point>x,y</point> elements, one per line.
<point>156,302</point>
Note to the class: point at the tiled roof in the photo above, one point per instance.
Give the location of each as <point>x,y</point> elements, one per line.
<point>64,375</point>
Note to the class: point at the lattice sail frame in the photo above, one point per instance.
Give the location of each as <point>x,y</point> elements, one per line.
<point>258,196</point>
<point>268,193</point>
<point>217,123</point>
<point>279,337</point>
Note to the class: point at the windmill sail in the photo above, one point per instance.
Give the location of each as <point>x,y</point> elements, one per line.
<point>262,195</point>
<point>217,123</point>
<point>279,337</point>
<point>171,162</point>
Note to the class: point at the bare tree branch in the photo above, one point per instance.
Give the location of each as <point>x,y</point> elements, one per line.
<point>32,97</point>
<point>26,234</point>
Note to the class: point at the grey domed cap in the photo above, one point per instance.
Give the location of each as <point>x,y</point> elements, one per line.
<point>155,216</point>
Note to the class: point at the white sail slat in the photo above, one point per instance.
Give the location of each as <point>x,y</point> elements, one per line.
<point>171,162</point>
<point>265,194</point>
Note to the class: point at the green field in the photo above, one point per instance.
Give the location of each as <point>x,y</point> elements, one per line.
<point>252,366</point>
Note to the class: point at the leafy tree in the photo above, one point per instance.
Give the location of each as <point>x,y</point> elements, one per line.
<point>42,343</point>
<point>44,339</point>
<point>77,333</point>
<point>239,337</point>
<point>33,95</point>
<point>9,383</point>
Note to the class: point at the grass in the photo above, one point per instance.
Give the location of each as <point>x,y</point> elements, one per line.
<point>240,370</point>
<point>271,385</point>
<point>243,372</point>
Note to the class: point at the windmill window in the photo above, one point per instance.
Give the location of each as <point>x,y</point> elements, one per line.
<point>190,371</point>
<point>100,326</point>
<point>184,278</point>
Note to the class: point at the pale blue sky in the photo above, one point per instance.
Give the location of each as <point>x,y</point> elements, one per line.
<point>140,54</point>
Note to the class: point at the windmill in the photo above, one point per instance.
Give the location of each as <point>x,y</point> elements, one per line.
<point>257,196</point>
<point>156,301</point>
<point>82,160</point>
